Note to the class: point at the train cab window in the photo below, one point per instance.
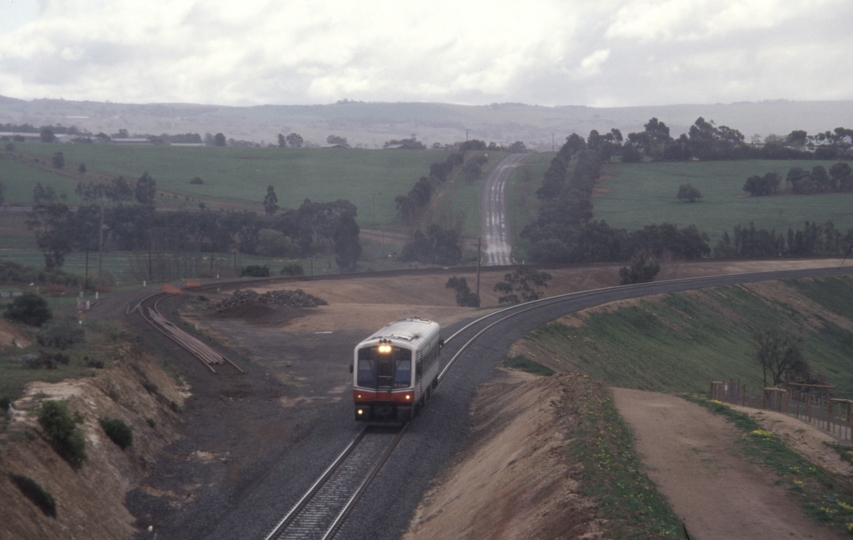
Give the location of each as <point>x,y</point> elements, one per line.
<point>403,373</point>
<point>365,372</point>
<point>384,370</point>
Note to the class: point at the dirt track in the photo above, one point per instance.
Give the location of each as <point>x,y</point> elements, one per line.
<point>690,454</point>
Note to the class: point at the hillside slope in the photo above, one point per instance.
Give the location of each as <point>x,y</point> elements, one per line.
<point>371,124</point>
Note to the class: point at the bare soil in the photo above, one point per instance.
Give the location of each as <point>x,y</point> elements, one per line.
<point>513,480</point>
<point>690,454</point>
<point>89,502</point>
<point>9,335</point>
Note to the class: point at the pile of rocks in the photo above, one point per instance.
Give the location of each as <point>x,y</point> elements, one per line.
<point>297,298</point>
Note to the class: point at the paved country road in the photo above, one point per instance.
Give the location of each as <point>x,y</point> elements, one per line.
<point>494,223</point>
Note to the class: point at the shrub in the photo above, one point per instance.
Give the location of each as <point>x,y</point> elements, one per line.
<point>29,308</point>
<point>196,180</point>
<point>292,270</point>
<point>255,270</point>
<point>61,335</point>
<point>62,433</point>
<point>642,270</point>
<point>47,360</point>
<point>35,493</point>
<point>4,404</point>
<point>97,364</point>
<point>118,432</point>
<point>464,296</point>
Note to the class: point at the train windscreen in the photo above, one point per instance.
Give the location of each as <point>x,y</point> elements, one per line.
<point>384,370</point>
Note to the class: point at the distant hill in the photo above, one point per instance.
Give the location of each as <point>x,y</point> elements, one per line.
<point>372,124</point>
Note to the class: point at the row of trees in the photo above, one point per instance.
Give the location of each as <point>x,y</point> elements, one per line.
<point>116,192</point>
<point>123,226</point>
<point>839,178</point>
<point>415,202</point>
<point>813,240</point>
<point>436,246</point>
<point>707,141</point>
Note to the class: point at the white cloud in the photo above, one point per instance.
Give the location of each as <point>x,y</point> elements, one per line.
<point>546,52</point>
<point>591,65</point>
<point>679,20</point>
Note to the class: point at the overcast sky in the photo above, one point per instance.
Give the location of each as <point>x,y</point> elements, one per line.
<point>543,52</point>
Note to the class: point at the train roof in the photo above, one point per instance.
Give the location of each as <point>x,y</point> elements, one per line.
<point>411,330</point>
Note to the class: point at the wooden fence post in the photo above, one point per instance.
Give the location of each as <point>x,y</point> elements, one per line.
<point>809,407</point>
<point>829,415</point>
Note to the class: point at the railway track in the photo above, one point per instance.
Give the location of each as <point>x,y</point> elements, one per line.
<point>148,308</point>
<point>522,318</point>
<point>323,509</point>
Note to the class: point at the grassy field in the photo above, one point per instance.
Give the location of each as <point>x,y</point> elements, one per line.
<point>679,342</point>
<point>635,195</point>
<point>370,179</point>
<point>20,179</point>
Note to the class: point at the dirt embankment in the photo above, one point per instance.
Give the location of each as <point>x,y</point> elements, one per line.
<point>11,336</point>
<point>89,502</point>
<point>513,480</point>
<point>691,455</point>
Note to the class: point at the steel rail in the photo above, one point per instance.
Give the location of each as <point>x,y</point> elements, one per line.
<point>191,344</point>
<point>315,488</point>
<point>634,291</point>
<point>347,509</point>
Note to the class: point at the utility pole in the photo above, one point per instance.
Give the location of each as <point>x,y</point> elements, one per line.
<point>101,240</point>
<point>479,240</point>
<point>149,252</point>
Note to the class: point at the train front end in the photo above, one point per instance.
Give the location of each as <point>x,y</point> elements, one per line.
<point>383,389</point>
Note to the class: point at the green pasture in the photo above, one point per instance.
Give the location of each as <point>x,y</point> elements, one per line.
<point>681,341</point>
<point>13,230</point>
<point>20,180</point>
<point>370,179</point>
<point>635,195</point>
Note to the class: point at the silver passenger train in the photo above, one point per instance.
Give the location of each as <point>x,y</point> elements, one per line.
<point>395,370</point>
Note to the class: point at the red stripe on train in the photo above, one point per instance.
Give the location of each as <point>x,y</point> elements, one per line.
<point>368,396</point>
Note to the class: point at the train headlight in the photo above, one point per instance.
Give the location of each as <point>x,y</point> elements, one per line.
<point>408,397</point>
<point>384,348</point>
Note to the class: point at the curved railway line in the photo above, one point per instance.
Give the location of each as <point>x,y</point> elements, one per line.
<point>517,320</point>
<point>148,308</point>
<point>324,508</point>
